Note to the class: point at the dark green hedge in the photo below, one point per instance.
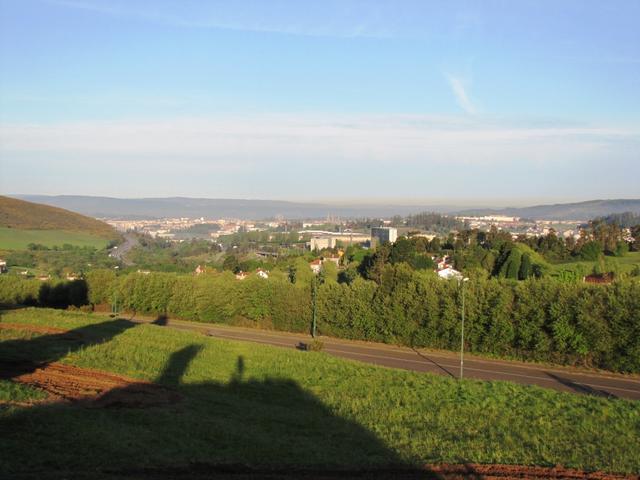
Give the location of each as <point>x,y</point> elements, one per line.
<point>536,319</point>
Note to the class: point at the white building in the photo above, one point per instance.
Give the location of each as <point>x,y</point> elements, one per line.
<point>384,234</point>
<point>450,273</point>
<point>262,273</point>
<point>320,243</point>
<point>316,265</point>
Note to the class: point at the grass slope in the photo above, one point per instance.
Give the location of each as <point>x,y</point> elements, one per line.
<point>26,216</point>
<point>259,405</point>
<point>13,239</point>
<point>621,265</point>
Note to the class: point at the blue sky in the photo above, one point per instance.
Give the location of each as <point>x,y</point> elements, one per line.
<point>492,101</point>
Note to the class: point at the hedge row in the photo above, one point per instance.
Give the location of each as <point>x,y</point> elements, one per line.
<point>536,319</point>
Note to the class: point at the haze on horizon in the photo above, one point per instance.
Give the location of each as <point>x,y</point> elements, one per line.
<point>351,101</point>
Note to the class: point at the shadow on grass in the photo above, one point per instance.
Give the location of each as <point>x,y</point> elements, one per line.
<point>18,357</point>
<point>242,428</point>
<point>581,388</point>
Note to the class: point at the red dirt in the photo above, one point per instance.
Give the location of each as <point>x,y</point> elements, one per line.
<point>31,328</point>
<point>201,471</point>
<point>517,472</point>
<point>91,388</point>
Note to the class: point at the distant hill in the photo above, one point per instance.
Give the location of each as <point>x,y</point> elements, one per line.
<point>131,208</point>
<point>22,215</point>
<point>563,211</point>
<point>138,208</point>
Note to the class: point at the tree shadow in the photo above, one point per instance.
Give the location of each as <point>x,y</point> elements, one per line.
<point>18,357</point>
<point>64,294</point>
<point>162,320</point>
<point>430,360</point>
<point>581,388</point>
<point>242,428</point>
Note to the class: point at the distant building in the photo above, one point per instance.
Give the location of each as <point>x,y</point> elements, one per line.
<point>384,234</point>
<point>333,258</point>
<point>316,265</point>
<point>320,243</point>
<point>442,263</point>
<point>450,273</point>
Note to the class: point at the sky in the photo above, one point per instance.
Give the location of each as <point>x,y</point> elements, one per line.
<point>457,102</point>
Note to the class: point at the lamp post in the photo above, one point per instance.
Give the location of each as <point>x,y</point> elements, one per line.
<point>314,283</point>
<point>464,280</point>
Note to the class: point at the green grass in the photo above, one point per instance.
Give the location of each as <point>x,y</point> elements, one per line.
<point>15,239</point>
<point>16,392</point>
<point>259,405</point>
<point>624,264</point>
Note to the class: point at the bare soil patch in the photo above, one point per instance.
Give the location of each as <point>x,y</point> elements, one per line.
<point>91,388</point>
<point>440,471</point>
<point>31,328</point>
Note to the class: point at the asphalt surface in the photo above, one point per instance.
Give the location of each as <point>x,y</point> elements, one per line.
<point>120,252</point>
<point>442,363</point>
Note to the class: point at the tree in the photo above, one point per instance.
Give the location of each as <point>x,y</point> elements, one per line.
<point>329,271</point>
<point>230,263</point>
<point>292,273</point>
<point>525,267</point>
<point>590,250</point>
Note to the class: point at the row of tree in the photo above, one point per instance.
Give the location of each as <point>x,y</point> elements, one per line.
<point>536,319</point>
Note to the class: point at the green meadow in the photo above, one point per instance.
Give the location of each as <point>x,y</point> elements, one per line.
<point>620,265</point>
<point>16,239</point>
<point>258,405</point>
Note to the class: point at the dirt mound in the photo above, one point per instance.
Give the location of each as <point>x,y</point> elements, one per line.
<point>92,388</point>
<point>31,328</point>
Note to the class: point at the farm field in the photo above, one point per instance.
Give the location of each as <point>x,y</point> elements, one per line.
<point>16,239</point>
<point>124,397</point>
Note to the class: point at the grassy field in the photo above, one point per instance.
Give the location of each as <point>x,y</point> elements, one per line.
<point>624,264</point>
<point>263,406</point>
<point>14,239</point>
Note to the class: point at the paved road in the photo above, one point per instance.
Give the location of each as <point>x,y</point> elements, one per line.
<point>442,363</point>
<point>120,252</point>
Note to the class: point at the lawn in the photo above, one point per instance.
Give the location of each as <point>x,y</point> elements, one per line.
<point>263,406</point>
<point>14,239</point>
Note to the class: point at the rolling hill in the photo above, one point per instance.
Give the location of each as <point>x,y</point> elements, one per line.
<point>109,207</point>
<point>131,208</point>
<point>563,211</point>
<point>24,222</point>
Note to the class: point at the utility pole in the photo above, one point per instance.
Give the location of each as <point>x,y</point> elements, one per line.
<point>314,283</point>
<point>464,280</point>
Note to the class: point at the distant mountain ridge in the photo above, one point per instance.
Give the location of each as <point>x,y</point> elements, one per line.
<point>108,207</point>
<point>23,215</point>
<point>563,211</point>
<point>137,208</point>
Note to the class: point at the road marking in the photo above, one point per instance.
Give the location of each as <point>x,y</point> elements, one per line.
<point>384,357</point>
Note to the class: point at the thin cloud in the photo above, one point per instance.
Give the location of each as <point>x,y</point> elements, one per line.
<point>462,98</point>
<point>276,139</point>
<point>221,20</point>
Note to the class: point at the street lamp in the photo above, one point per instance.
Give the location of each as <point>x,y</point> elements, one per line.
<point>463,280</point>
<point>314,293</point>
